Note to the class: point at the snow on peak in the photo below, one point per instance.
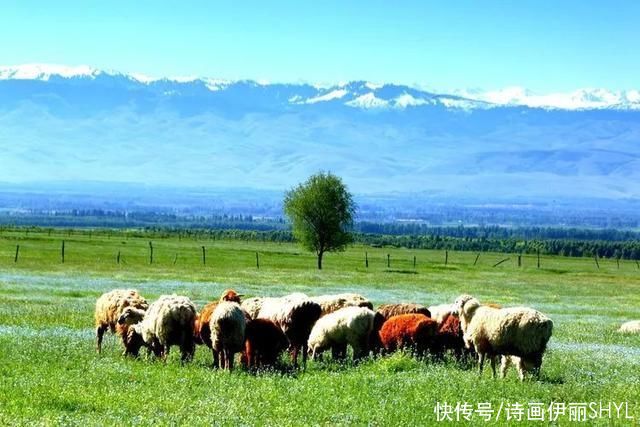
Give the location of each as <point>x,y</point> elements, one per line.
<point>368,100</point>
<point>581,99</point>
<point>45,71</point>
<point>405,100</point>
<point>334,94</point>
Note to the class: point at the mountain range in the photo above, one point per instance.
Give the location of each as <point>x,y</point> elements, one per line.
<point>80,124</point>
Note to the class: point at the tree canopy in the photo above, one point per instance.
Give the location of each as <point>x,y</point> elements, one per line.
<point>321,211</point>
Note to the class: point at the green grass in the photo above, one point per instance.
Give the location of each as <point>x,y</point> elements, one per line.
<point>50,374</point>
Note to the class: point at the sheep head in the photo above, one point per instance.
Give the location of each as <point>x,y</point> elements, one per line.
<point>131,315</point>
<point>231,295</point>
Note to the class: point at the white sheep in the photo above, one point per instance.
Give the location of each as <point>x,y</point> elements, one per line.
<point>331,303</point>
<point>109,308</point>
<point>295,314</point>
<point>632,327</point>
<point>346,326</point>
<point>169,321</point>
<point>441,311</point>
<point>518,331</point>
<point>227,326</point>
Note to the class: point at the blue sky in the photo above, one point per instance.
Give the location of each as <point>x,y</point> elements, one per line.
<point>542,45</point>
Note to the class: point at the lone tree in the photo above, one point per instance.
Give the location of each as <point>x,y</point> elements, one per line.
<point>321,211</point>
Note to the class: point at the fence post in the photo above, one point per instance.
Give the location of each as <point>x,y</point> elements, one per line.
<point>257,261</point>
<point>476,260</point>
<point>150,253</point>
<point>62,252</point>
<point>204,256</point>
<point>17,251</point>
<point>520,260</point>
<point>118,258</point>
<point>618,262</point>
<point>366,259</point>
<point>414,262</point>
<point>446,257</point>
<point>388,261</point>
<point>595,257</point>
<point>175,258</point>
<point>538,258</point>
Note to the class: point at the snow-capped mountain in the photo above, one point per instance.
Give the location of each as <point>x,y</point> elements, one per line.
<point>84,124</point>
<point>360,94</point>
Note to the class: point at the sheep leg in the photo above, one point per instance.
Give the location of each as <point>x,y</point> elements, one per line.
<point>504,366</point>
<point>481,361</point>
<point>493,366</point>
<point>294,356</point>
<point>521,369</point>
<point>216,360</point>
<point>305,349</point>
<point>223,359</point>
<point>100,330</point>
<point>230,360</point>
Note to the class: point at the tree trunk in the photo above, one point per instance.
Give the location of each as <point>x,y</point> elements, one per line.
<point>320,260</point>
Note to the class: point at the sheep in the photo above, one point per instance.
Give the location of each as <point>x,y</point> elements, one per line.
<point>385,312</point>
<point>295,314</point>
<point>169,321</point>
<point>632,327</point>
<point>408,331</point>
<point>227,325</point>
<point>109,308</point>
<point>264,341</point>
<point>518,331</point>
<point>346,326</point>
<point>331,303</point>
<point>202,332</point>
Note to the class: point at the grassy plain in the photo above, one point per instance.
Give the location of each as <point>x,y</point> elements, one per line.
<point>50,374</point>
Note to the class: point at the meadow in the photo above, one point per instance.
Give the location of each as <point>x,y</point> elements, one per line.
<point>51,375</point>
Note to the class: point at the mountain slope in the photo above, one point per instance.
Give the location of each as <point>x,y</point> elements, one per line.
<point>82,124</point>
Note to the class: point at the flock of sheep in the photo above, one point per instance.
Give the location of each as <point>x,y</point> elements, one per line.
<point>261,328</point>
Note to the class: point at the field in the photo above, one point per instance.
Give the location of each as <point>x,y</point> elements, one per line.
<point>50,374</point>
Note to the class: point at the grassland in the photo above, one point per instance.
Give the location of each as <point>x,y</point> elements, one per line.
<point>50,375</point>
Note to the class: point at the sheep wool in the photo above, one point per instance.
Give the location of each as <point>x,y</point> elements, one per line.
<point>331,303</point>
<point>346,326</point>
<point>390,310</point>
<point>109,308</point>
<point>202,331</point>
<point>264,341</point>
<point>169,321</point>
<point>518,331</point>
<point>252,306</point>
<point>441,311</point>
<point>408,331</point>
<point>227,325</point>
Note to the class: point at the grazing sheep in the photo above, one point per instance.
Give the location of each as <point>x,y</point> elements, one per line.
<point>331,303</point>
<point>408,331</point>
<point>169,321</point>
<point>109,308</point>
<point>519,331</point>
<point>202,332</point>
<point>263,343</point>
<point>227,325</point>
<point>295,314</point>
<point>521,364</point>
<point>346,326</point>
<point>632,327</point>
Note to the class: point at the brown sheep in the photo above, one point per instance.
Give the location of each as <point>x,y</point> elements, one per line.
<point>385,312</point>
<point>264,341</point>
<point>408,331</point>
<point>109,308</point>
